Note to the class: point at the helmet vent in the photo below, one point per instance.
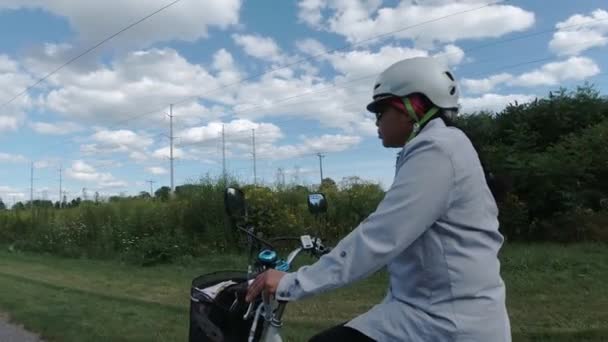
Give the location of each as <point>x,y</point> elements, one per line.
<point>377,86</point>
<point>450,75</point>
<point>453,90</point>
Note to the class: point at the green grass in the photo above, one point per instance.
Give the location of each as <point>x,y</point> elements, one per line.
<point>555,293</point>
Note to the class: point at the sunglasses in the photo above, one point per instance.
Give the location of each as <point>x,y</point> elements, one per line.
<point>381,111</point>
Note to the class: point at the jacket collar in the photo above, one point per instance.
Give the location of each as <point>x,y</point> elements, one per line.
<point>432,124</point>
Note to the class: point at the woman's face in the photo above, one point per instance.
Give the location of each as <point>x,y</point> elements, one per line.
<point>394,126</point>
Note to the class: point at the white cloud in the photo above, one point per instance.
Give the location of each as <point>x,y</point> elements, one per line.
<point>57,128</point>
<point>302,98</point>
<point>106,163</point>
<point>575,68</point>
<point>82,171</point>
<point>134,85</point>
<point>364,62</point>
<point>485,85</point>
<point>264,48</point>
<point>310,11</point>
<point>9,123</point>
<point>12,81</point>
<point>93,21</point>
<point>156,170</point>
<point>451,55</point>
<point>11,158</point>
<point>236,130</point>
<point>308,145</point>
<point>9,193</point>
<point>119,141</point>
<point>8,65</point>
<point>139,83</point>
<point>311,46</point>
<point>338,104</point>
<point>80,166</point>
<point>492,102</point>
<point>165,153</point>
<point>121,138</point>
<point>223,62</point>
<point>205,142</point>
<point>136,90</point>
<point>580,32</point>
<point>358,20</point>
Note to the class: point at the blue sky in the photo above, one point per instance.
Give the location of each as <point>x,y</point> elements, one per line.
<point>103,121</point>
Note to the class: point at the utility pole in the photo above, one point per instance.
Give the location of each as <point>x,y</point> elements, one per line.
<point>280,178</point>
<point>151,189</point>
<point>223,153</point>
<point>171,145</point>
<point>321,156</point>
<point>255,175</point>
<point>84,194</point>
<point>60,192</point>
<point>297,175</point>
<point>32,189</point>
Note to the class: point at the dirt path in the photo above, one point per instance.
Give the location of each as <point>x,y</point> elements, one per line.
<point>10,332</point>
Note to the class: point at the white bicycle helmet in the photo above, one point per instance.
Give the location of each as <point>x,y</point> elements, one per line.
<point>423,75</point>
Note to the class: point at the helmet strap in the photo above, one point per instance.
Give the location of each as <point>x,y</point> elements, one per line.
<point>417,122</point>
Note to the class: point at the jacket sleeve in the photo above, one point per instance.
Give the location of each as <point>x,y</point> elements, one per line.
<point>418,196</point>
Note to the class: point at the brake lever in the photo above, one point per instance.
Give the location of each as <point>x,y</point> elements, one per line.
<point>249,312</point>
<point>234,303</point>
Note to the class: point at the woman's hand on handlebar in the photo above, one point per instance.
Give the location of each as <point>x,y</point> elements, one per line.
<point>269,281</point>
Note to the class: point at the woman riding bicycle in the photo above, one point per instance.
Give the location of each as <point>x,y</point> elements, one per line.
<point>436,230</point>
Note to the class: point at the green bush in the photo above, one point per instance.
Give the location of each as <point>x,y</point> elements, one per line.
<point>550,154</point>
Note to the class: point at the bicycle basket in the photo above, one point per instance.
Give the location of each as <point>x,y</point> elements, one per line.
<point>217,307</point>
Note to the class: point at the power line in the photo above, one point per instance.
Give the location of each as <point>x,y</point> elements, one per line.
<point>369,76</point>
<point>355,44</point>
<point>86,52</point>
<point>501,68</point>
<point>242,80</point>
<point>242,134</point>
<point>247,131</point>
<point>502,41</point>
<point>326,52</point>
<point>339,85</point>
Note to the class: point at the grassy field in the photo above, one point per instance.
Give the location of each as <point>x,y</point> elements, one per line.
<point>555,293</point>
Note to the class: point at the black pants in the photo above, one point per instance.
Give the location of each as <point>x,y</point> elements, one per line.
<point>340,333</point>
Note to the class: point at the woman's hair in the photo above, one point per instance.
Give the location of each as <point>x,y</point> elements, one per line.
<point>422,104</point>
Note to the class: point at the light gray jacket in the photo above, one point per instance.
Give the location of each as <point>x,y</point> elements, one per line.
<point>436,230</point>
